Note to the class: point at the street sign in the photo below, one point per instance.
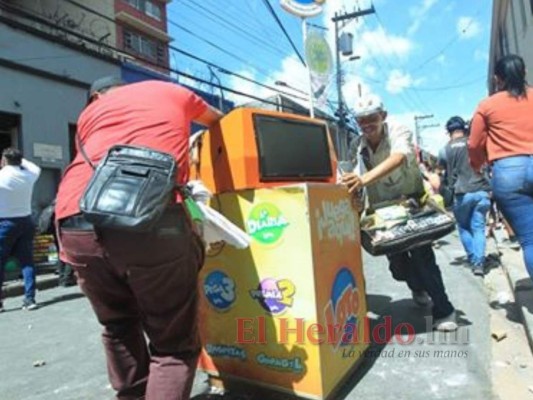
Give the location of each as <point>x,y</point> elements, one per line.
<point>48,152</point>
<point>303,8</point>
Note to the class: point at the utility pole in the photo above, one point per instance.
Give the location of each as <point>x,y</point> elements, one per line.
<point>339,17</point>
<point>417,127</point>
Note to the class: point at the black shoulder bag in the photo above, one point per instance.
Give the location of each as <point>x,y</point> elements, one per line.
<point>129,189</point>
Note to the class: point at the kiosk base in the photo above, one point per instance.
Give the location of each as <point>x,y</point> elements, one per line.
<point>288,313</point>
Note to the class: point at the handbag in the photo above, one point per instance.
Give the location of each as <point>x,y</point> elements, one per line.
<point>130,188</point>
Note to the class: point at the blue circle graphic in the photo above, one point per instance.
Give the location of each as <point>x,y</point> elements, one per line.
<point>219,289</point>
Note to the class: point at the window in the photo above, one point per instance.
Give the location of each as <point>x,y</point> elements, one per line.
<point>147,7</point>
<point>153,10</point>
<point>148,48</point>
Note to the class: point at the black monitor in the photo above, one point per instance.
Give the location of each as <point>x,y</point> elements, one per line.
<point>291,149</point>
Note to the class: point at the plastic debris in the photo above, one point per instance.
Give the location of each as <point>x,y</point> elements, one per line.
<point>39,363</point>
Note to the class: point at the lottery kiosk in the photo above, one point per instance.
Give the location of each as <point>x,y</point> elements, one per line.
<point>287,313</point>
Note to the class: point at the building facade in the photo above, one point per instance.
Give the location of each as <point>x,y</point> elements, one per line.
<point>51,51</point>
<point>141,31</point>
<point>511,33</point>
<point>45,73</point>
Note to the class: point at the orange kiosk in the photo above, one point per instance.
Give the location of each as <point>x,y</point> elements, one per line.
<point>288,312</point>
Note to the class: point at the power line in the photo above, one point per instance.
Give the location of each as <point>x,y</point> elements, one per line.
<point>221,69</point>
<point>280,24</point>
<point>225,71</point>
<point>416,95</point>
<point>88,9</point>
<point>402,96</point>
<point>22,11</point>
<point>208,42</point>
<point>449,43</point>
<point>234,27</point>
<point>438,88</point>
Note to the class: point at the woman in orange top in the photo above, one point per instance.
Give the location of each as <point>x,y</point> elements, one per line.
<point>502,135</point>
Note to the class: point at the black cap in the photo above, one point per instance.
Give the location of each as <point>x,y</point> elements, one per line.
<point>104,83</point>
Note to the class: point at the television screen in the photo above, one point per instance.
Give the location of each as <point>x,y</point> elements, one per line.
<point>291,149</point>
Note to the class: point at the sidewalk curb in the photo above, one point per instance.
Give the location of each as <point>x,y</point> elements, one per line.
<point>42,282</point>
<point>512,263</point>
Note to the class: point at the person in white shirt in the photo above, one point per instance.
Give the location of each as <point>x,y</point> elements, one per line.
<point>389,172</point>
<point>17,179</point>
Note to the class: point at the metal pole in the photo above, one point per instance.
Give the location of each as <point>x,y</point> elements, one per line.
<point>416,131</point>
<point>311,105</point>
<point>340,108</point>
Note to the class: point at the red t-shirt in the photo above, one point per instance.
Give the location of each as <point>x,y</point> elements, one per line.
<point>154,114</point>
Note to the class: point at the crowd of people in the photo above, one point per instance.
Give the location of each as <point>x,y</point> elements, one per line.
<point>486,164</point>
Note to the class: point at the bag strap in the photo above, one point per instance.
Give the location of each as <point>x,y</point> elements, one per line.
<point>82,151</point>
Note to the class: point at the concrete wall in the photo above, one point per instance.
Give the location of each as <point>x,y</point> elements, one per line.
<point>512,32</point>
<point>78,19</point>
<point>46,85</point>
<point>523,44</point>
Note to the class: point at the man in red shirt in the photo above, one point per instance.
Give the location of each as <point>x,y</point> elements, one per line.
<point>138,283</point>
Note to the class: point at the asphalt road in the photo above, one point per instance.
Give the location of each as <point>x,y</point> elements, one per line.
<point>64,334</point>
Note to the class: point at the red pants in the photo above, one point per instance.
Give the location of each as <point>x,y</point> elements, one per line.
<point>142,283</point>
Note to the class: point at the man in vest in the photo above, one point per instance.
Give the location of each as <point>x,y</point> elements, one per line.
<point>390,172</point>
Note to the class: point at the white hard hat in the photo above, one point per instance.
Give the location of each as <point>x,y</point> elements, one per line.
<point>367,105</point>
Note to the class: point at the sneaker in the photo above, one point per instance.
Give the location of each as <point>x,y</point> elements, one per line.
<point>510,244</point>
<point>446,324</point>
<point>421,298</point>
<point>478,270</point>
<point>513,244</point>
<point>29,305</point>
<point>492,261</point>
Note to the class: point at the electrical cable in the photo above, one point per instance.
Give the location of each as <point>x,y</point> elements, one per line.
<point>403,96</point>
<point>213,65</point>
<point>106,17</point>
<point>282,27</point>
<point>449,43</point>
<point>28,15</point>
<point>234,27</point>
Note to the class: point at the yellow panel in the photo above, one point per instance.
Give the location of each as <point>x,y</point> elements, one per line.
<point>260,306</point>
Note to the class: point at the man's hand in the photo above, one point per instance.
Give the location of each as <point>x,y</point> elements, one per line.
<point>352,181</point>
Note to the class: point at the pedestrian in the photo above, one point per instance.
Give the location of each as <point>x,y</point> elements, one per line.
<point>471,195</point>
<point>17,229</point>
<point>501,135</point>
<point>390,172</point>
<point>138,283</point>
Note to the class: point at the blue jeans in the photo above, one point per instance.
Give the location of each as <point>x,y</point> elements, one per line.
<point>16,239</point>
<point>419,269</point>
<point>470,210</point>
<point>512,185</point>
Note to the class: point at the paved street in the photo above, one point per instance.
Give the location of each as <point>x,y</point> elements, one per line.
<point>65,335</point>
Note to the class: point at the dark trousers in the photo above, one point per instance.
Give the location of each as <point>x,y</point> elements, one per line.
<point>419,269</point>
<point>16,239</point>
<point>142,283</point>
